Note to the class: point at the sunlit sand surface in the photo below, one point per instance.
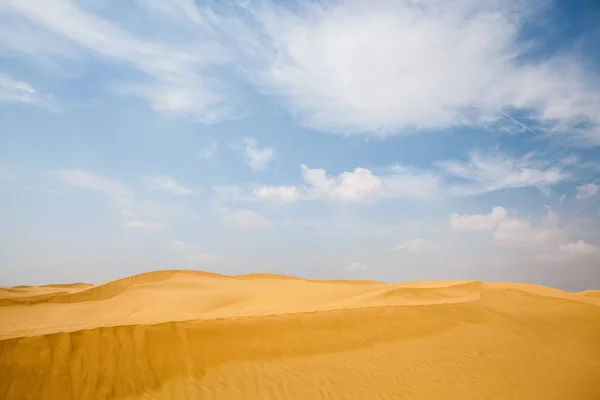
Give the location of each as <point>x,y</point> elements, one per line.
<point>196,335</point>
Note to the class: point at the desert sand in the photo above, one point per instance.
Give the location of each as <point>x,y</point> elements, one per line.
<point>195,335</point>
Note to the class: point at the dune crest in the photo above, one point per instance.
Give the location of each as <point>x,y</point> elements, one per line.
<point>196,335</point>
<point>591,293</point>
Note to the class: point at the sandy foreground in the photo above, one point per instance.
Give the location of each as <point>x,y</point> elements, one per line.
<point>195,335</point>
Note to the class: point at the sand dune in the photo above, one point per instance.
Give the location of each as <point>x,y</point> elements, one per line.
<point>196,335</point>
<point>591,293</point>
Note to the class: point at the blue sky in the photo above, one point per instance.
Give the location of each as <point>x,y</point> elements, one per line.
<point>388,140</point>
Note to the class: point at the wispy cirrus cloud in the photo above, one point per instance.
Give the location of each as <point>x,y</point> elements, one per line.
<point>493,171</point>
<point>587,191</point>
<point>387,68</point>
<point>16,91</point>
<point>175,75</point>
<point>134,213</point>
<point>168,184</point>
<point>397,67</point>
<point>246,219</point>
<point>484,172</point>
<point>191,256</point>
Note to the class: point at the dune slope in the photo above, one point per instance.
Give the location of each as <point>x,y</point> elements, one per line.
<point>195,335</point>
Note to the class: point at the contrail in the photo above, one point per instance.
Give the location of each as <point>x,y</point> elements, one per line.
<point>520,123</point>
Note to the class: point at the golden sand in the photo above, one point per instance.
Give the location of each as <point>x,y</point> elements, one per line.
<point>195,335</point>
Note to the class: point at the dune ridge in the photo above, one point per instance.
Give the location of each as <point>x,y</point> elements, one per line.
<point>191,334</point>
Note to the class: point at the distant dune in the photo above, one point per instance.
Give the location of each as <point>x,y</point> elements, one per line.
<point>197,335</point>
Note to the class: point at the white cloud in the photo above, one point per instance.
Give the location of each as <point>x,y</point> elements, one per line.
<point>15,91</point>
<point>405,181</point>
<point>258,158</point>
<point>481,174</point>
<point>522,231</point>
<point>135,213</point>
<point>247,219</point>
<point>477,222</point>
<point>176,73</point>
<point>359,185</point>
<point>117,192</point>
<point>571,159</point>
<point>283,194</point>
<point>356,266</point>
<point>489,172</point>
<point>587,191</point>
<point>415,245</point>
<point>229,193</point>
<point>168,184</point>
<point>508,230</point>
<point>390,66</point>
<point>191,255</point>
<point>208,153</point>
<point>579,248</point>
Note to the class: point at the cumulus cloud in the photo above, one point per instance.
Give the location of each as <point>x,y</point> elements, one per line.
<point>168,184</point>
<point>16,91</point>
<point>587,191</point>
<point>258,158</point>
<point>399,66</point>
<point>361,185</point>
<point>247,219</point>
<point>579,248</point>
<point>508,230</point>
<point>415,245</point>
<point>358,185</point>
<point>282,194</point>
<point>483,173</point>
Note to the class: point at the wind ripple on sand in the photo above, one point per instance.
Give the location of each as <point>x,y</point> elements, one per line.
<point>194,335</point>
